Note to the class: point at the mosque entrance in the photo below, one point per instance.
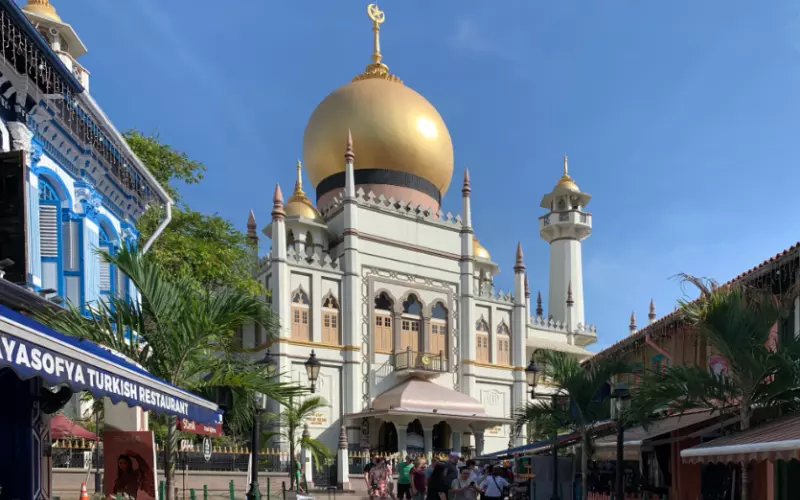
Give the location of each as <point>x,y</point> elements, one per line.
<point>442,437</point>
<point>387,438</point>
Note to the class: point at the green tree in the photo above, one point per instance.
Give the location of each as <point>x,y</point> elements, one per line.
<point>736,322</point>
<point>289,423</point>
<point>582,400</point>
<point>184,334</point>
<point>207,248</point>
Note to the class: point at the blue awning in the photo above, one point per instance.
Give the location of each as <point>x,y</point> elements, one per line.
<point>524,448</point>
<point>31,349</point>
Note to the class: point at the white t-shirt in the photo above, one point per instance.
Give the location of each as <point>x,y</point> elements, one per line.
<point>494,486</point>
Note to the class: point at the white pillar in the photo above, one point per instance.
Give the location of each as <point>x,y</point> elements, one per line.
<point>518,338</point>
<point>456,441</point>
<point>402,439</point>
<point>427,433</point>
<point>306,460</point>
<point>466,326</point>
<point>351,285</point>
<point>91,262</point>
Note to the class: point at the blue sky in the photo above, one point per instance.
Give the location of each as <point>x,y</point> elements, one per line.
<point>681,118</point>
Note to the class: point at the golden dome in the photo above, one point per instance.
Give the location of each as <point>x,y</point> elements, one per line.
<point>394,128</point>
<point>299,205</point>
<point>479,251</point>
<point>42,8</point>
<point>566,181</point>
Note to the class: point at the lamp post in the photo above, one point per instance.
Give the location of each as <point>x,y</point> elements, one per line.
<point>532,374</point>
<point>260,405</point>
<point>312,370</point>
<point>621,400</point>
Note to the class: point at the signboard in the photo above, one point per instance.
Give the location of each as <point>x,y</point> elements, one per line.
<point>192,427</point>
<point>186,445</point>
<point>207,449</point>
<point>129,465</point>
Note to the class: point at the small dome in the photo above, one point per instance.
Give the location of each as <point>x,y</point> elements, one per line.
<point>479,251</point>
<point>565,183</point>
<point>42,8</point>
<point>299,205</point>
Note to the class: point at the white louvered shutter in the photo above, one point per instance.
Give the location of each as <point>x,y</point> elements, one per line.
<point>48,227</point>
<point>105,275</point>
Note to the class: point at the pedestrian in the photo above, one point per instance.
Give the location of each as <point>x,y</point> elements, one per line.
<point>418,479</point>
<point>452,468</point>
<point>494,485</point>
<point>463,487</point>
<point>437,485</point>
<point>404,478</point>
<point>431,467</point>
<point>378,480</point>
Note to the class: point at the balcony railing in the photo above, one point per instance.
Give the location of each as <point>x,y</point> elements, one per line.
<point>420,361</point>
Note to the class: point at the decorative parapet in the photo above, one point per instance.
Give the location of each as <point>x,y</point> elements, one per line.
<point>390,205</point>
<point>551,324</point>
<point>263,265</point>
<point>487,292</point>
<point>316,260</point>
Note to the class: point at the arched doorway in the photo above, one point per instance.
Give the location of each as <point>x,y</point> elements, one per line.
<point>442,437</point>
<point>387,438</point>
<point>415,439</point>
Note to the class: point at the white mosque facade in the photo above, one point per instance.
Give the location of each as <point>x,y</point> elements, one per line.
<point>419,352</point>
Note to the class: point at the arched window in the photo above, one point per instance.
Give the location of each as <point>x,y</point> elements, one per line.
<point>482,340</point>
<point>50,237</point>
<point>309,244</point>
<point>290,239</point>
<point>330,320</point>
<point>410,324</point>
<point>383,324</point>
<point>300,316</point>
<point>437,340</point>
<point>503,344</point>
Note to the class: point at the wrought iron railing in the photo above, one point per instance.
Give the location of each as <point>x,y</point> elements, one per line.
<point>415,360</point>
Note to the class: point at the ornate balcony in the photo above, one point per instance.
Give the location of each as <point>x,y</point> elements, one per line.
<point>410,362</point>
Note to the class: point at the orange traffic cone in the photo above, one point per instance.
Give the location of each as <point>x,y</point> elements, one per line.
<point>84,493</point>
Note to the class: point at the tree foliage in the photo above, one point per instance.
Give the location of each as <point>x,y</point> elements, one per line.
<point>181,333</point>
<point>205,247</point>
<point>581,392</point>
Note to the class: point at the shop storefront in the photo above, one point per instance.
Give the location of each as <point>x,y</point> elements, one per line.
<point>40,369</point>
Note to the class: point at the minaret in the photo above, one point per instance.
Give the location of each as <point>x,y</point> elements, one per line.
<point>252,239</point>
<point>279,282</point>
<point>59,35</point>
<point>632,326</point>
<point>467,305</point>
<point>539,309</point>
<point>351,285</point>
<point>651,316</point>
<point>565,226</point>
<point>519,330</point>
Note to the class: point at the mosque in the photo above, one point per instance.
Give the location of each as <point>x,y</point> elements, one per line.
<point>420,353</point>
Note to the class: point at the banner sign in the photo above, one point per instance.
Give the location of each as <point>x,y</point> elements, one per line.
<point>192,427</point>
<point>129,464</point>
<point>29,360</point>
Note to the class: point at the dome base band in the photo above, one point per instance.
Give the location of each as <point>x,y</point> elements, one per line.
<point>380,176</point>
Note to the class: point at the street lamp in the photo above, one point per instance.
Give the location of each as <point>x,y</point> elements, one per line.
<point>260,405</point>
<point>532,372</point>
<point>312,370</point>
<point>621,400</point>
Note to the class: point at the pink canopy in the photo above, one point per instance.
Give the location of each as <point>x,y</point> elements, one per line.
<point>62,427</point>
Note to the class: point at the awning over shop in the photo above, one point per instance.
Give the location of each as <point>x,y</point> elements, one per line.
<point>428,401</point>
<point>62,427</point>
<point>31,349</point>
<point>530,448</point>
<point>552,345</point>
<point>778,440</point>
<point>637,437</point>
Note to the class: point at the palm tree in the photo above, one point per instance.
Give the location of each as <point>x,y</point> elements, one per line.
<point>581,387</point>
<point>736,322</point>
<point>180,333</point>
<point>288,423</point>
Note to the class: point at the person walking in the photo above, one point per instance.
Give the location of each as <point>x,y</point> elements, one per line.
<point>437,484</point>
<point>418,479</point>
<point>464,488</point>
<point>494,485</point>
<point>404,478</point>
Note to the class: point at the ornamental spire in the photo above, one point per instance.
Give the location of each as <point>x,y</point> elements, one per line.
<point>519,266</point>
<point>632,326</point>
<point>349,155</point>
<point>652,314</point>
<point>298,184</point>
<point>527,288</point>
<point>539,309</point>
<point>251,225</point>
<point>376,69</point>
<point>570,302</point>
<point>465,189</point>
<point>277,204</point>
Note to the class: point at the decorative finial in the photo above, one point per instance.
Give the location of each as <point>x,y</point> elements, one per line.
<point>251,225</point>
<point>570,302</point>
<point>466,190</point>
<point>277,204</point>
<point>306,432</point>
<point>632,326</point>
<point>298,184</point>
<point>42,8</point>
<point>539,309</point>
<point>652,314</point>
<point>376,69</point>
<point>527,288</point>
<point>565,178</point>
<point>519,266</point>
<point>566,166</point>
<point>349,155</point>
<point>342,438</point>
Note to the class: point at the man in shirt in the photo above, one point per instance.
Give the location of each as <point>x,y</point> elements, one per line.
<point>404,478</point>
<point>492,487</point>
<point>452,468</point>
<point>431,467</point>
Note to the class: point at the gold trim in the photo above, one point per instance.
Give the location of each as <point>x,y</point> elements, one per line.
<point>383,352</point>
<point>488,365</point>
<point>354,348</point>
<point>302,343</point>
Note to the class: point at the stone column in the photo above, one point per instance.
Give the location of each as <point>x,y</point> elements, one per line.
<point>466,298</point>
<point>428,436</point>
<point>402,439</point>
<point>425,334</point>
<point>342,456</point>
<point>479,443</point>
<point>456,441</point>
<point>397,316</point>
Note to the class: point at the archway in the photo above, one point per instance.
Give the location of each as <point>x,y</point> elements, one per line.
<point>387,438</point>
<point>442,437</point>
<point>415,439</point>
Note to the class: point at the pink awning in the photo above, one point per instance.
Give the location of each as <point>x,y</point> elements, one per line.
<point>778,440</point>
<point>62,427</point>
